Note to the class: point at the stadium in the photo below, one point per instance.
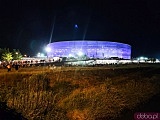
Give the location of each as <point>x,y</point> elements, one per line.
<point>89,48</point>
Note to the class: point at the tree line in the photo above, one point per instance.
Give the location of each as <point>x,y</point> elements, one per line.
<point>7,55</point>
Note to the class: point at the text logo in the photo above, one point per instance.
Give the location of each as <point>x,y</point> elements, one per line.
<point>147,116</point>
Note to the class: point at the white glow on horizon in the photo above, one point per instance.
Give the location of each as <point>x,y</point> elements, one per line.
<point>142,58</point>
<point>40,55</point>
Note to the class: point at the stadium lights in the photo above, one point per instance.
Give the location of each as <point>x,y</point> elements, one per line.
<point>70,55</point>
<point>80,53</point>
<point>40,55</point>
<point>48,49</point>
<point>142,58</point>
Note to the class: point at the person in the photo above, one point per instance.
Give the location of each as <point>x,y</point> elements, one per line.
<point>16,66</point>
<point>9,67</point>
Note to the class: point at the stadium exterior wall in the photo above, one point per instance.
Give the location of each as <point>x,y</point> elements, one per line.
<point>92,49</point>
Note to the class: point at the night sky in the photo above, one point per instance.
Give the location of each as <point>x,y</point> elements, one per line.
<point>27,24</point>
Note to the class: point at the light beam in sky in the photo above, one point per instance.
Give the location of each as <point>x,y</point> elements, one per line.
<point>52,29</point>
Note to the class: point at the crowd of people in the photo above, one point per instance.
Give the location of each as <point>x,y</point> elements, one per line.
<point>9,66</point>
<point>21,64</point>
<point>16,65</point>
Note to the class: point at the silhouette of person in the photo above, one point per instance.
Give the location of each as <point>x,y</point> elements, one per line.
<point>9,67</point>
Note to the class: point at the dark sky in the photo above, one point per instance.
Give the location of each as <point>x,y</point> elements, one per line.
<point>26,24</point>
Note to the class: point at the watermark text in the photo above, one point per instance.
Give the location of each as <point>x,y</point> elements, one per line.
<point>147,116</point>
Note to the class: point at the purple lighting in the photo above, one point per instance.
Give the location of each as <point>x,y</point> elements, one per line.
<point>92,49</point>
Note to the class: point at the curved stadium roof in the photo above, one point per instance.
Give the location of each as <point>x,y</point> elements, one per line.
<point>90,48</point>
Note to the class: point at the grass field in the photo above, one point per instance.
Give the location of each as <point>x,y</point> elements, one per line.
<point>78,93</point>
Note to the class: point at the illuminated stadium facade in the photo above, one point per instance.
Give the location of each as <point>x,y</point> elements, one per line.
<point>89,48</point>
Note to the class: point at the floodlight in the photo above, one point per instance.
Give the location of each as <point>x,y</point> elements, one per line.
<point>70,55</point>
<point>39,54</point>
<point>80,53</point>
<point>42,55</point>
<point>48,49</point>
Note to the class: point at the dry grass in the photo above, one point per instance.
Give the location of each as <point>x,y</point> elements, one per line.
<point>77,93</point>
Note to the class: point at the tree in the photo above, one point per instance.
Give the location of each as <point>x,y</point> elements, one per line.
<point>6,55</point>
<point>16,54</point>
